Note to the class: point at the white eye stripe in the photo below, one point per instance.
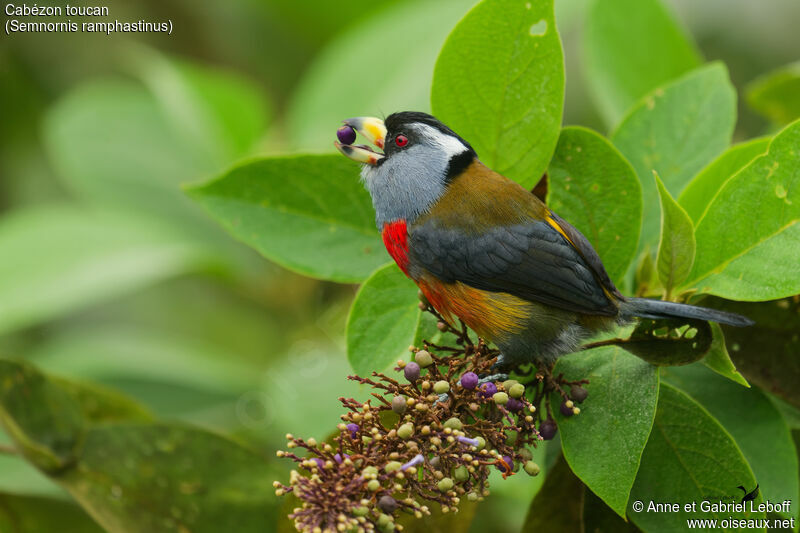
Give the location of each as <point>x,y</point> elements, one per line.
<point>448,143</point>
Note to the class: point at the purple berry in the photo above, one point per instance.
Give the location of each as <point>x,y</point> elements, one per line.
<point>514,405</point>
<point>469,380</point>
<point>578,394</point>
<point>387,504</point>
<point>339,458</point>
<point>489,389</point>
<point>411,371</point>
<point>548,429</point>
<point>320,462</point>
<point>346,134</point>
<point>565,409</point>
<point>353,429</point>
<point>506,465</point>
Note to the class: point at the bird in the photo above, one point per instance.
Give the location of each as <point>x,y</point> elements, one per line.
<point>485,250</point>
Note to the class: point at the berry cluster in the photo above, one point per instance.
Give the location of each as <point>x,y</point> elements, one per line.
<point>431,434</point>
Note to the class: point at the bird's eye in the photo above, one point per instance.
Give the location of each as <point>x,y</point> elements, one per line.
<point>401,140</point>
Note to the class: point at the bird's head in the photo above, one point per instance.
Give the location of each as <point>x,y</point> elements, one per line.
<point>420,156</point>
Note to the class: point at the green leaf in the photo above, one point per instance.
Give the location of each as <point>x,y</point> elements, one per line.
<point>114,143</point>
<point>599,518</point>
<point>718,359</point>
<point>603,445</point>
<point>776,95</point>
<point>747,241</point>
<point>677,247</point>
<point>499,83</point>
<point>36,514</point>
<point>221,114</point>
<point>620,72</point>
<point>67,258</point>
<point>309,214</point>
<point>766,353</point>
<point>100,404</point>
<point>688,458</point>
<point>592,186</point>
<point>699,193</point>
<point>28,401</point>
<point>359,73</point>
<point>669,342</point>
<point>677,130</point>
<point>141,478</point>
<point>383,320</point>
<point>558,505</point>
<point>752,420</point>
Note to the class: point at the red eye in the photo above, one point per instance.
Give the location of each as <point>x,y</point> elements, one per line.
<point>401,140</point>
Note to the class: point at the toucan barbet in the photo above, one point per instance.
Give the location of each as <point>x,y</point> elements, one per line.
<point>482,248</point>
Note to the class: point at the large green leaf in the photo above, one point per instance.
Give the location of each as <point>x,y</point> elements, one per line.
<point>754,423</point>
<point>142,478</point>
<point>307,213</point>
<point>676,130</point>
<point>221,115</point>
<point>36,514</point>
<point>747,241</point>
<point>592,186</point>
<point>603,445</point>
<point>499,83</point>
<point>383,320</point>
<point>374,68</point>
<point>676,247</point>
<point>115,143</point>
<point>558,505</point>
<point>66,258</point>
<point>766,353</point>
<point>697,196</point>
<point>27,403</point>
<point>776,95</point>
<point>689,457</point>
<point>133,476</point>
<point>630,48</point>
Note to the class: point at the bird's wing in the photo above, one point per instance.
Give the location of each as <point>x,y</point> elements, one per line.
<point>546,261</point>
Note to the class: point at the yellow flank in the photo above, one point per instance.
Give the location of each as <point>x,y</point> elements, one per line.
<point>493,315</point>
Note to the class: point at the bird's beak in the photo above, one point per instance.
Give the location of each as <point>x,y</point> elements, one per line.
<point>374,131</point>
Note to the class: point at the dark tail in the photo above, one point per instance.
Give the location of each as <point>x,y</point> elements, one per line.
<point>645,308</point>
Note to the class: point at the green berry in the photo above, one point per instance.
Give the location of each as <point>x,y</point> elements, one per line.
<point>441,387</point>
<point>423,358</point>
<point>391,466</point>
<point>405,431</point>
<point>360,511</point>
<point>384,519</point>
<point>374,485</point>
<point>453,423</point>
<point>526,454</point>
<point>516,390</point>
<point>445,484</point>
<point>531,468</point>
<point>481,443</point>
<point>500,398</point>
<point>473,497</point>
<point>388,528</point>
<point>369,471</point>
<point>461,473</point>
<point>507,384</point>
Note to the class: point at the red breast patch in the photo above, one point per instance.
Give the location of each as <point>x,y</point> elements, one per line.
<point>395,238</point>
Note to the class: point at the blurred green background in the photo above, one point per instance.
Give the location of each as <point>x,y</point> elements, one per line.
<point>109,274</point>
